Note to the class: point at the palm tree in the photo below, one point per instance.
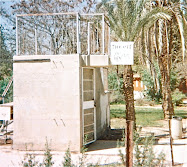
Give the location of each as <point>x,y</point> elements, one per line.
<point>163,35</point>
<point>127,18</point>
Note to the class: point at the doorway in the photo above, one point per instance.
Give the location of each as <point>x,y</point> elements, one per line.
<point>88,101</point>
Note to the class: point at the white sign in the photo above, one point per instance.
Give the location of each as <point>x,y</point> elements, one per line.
<point>4,113</point>
<point>122,53</point>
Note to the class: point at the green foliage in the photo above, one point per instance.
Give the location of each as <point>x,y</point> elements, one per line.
<point>115,84</point>
<point>9,95</point>
<point>117,113</point>
<point>5,66</point>
<point>148,81</point>
<point>121,144</point>
<point>47,162</point>
<point>5,56</point>
<point>82,159</point>
<point>144,154</point>
<point>177,97</point>
<point>30,161</point>
<point>67,159</point>
<point>144,116</point>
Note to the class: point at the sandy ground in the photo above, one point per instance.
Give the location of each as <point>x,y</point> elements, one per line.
<point>100,152</point>
<point>106,151</point>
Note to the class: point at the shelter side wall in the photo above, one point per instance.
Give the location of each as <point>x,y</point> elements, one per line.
<point>102,102</point>
<point>47,102</point>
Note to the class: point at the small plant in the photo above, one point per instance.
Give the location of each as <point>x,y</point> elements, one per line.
<point>47,162</point>
<point>144,154</point>
<point>67,159</point>
<point>83,151</point>
<point>29,161</point>
<point>122,144</point>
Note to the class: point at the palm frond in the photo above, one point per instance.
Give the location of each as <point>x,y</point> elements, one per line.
<point>180,19</point>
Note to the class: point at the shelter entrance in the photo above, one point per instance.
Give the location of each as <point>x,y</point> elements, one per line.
<point>89,115</point>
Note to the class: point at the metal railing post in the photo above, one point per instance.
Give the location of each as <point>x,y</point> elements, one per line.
<point>103,35</point>
<point>78,33</point>
<point>36,45</point>
<point>16,35</point>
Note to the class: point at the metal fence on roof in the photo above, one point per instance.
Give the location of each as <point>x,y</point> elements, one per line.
<point>62,33</point>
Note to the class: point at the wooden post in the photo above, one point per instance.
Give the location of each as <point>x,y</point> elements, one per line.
<point>171,141</point>
<point>129,143</point>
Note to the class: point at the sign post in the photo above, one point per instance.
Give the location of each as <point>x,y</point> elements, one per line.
<point>122,54</point>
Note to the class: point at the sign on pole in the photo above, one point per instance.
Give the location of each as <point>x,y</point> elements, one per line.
<point>122,53</point>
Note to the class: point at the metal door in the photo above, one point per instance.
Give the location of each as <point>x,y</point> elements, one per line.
<point>88,100</point>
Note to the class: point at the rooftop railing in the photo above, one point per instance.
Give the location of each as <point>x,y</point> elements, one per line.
<point>62,33</point>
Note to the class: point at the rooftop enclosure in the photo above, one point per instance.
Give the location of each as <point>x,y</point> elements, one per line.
<point>62,33</point>
<point>60,80</point>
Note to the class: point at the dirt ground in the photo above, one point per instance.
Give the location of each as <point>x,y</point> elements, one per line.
<point>105,152</point>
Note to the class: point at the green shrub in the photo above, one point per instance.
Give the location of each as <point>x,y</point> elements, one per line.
<point>67,159</point>
<point>144,154</point>
<point>115,84</point>
<point>47,161</point>
<point>117,97</point>
<point>30,161</point>
<point>148,81</point>
<point>177,97</point>
<point>9,96</point>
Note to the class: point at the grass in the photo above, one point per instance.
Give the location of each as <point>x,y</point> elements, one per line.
<point>144,116</point>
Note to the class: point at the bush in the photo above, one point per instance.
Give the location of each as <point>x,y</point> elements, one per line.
<point>117,97</point>
<point>115,84</point>
<point>47,162</point>
<point>67,159</point>
<point>148,81</point>
<point>30,161</point>
<point>144,154</point>
<point>144,102</point>
<point>177,97</point>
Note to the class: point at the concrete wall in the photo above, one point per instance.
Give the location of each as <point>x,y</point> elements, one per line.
<point>102,103</point>
<point>47,102</point>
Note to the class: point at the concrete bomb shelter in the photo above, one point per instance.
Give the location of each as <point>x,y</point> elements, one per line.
<point>60,80</point>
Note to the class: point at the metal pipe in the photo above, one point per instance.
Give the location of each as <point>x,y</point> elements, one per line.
<point>78,34</point>
<point>103,34</point>
<point>97,38</point>
<point>16,36</point>
<point>89,37</point>
<point>3,99</point>
<point>93,14</point>
<point>36,45</point>
<point>109,47</point>
<point>45,14</point>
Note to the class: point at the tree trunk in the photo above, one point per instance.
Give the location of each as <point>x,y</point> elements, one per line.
<point>129,92</point>
<point>130,113</point>
<point>164,61</point>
